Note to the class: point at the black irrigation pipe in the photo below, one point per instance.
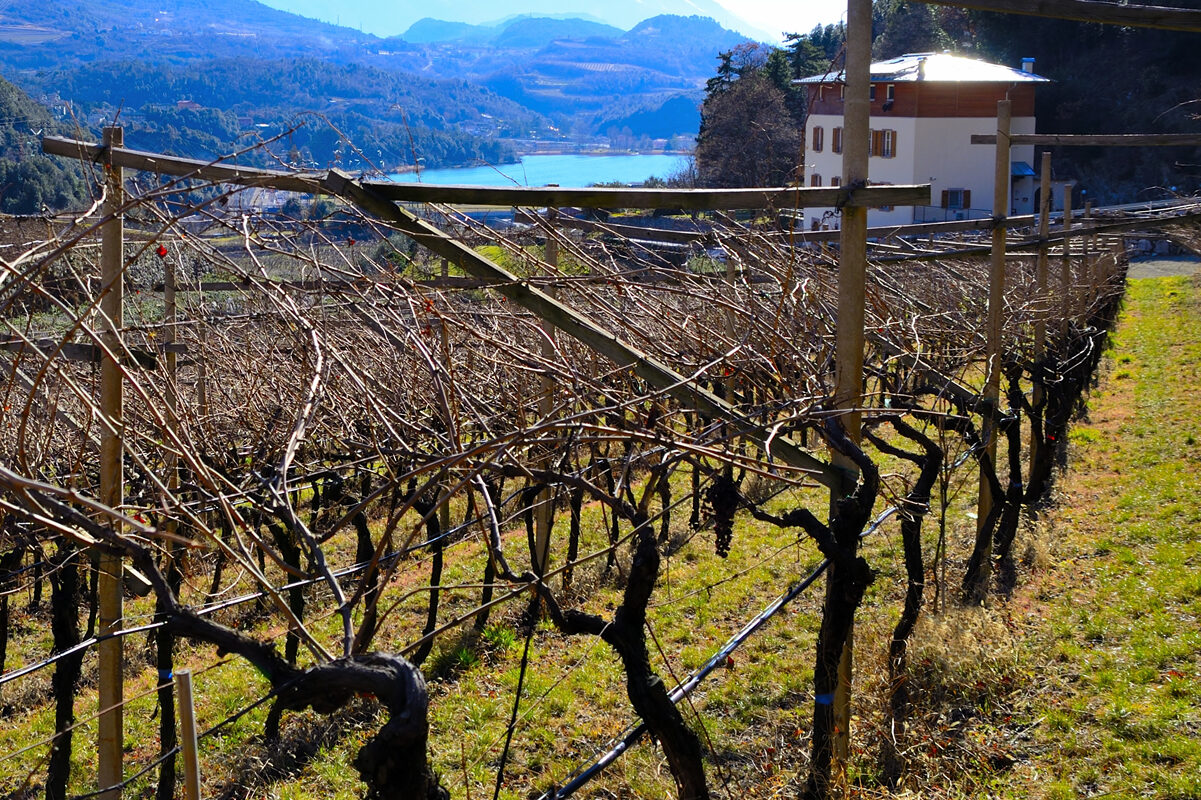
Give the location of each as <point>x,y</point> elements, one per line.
<point>716,660</point>
<point>680,692</point>
<point>84,645</point>
<point>237,601</point>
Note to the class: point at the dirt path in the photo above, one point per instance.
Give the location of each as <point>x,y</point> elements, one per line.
<point>1164,267</point>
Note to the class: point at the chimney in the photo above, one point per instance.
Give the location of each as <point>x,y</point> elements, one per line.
<point>1028,65</point>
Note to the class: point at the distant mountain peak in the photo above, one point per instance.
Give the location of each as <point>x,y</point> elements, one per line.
<point>389,18</point>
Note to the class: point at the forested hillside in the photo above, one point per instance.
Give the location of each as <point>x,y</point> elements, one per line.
<point>387,115</point>
<point>582,75</point>
<point>455,95</point>
<point>1096,89</point>
<point>30,181</point>
<point>1093,89</point>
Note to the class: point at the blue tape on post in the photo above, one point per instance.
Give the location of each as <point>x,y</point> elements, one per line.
<point>824,699</point>
<point>165,675</point>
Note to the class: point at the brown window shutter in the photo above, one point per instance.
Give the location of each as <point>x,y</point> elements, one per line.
<point>946,198</point>
<point>967,198</point>
<point>877,147</point>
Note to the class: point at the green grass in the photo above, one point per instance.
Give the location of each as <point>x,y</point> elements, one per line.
<point>1118,706</point>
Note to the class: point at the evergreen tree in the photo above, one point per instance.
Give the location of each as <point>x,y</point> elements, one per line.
<point>749,137</point>
<point>30,182</point>
<point>909,28</point>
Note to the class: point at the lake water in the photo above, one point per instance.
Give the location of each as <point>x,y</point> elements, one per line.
<point>565,170</point>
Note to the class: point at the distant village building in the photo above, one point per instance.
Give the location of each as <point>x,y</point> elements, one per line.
<point>187,105</point>
<point>924,109</point>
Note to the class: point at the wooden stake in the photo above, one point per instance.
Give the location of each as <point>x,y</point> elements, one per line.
<point>849,336</point>
<point>110,736</point>
<point>444,510</point>
<point>996,301</point>
<point>188,742</point>
<point>1041,273</point>
<point>544,516</point>
<point>1065,268</point>
<point>1089,260</point>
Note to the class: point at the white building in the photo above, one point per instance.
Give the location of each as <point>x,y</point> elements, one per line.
<point>925,108</point>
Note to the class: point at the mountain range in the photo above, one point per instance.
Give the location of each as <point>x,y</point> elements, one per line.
<point>389,18</point>
<point>198,77</point>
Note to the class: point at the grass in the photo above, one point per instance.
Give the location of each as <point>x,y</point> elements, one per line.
<point>1116,708</point>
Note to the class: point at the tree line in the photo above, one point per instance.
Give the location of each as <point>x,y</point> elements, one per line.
<point>752,119</point>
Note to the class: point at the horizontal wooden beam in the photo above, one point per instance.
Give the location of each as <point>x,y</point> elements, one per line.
<point>1097,140</point>
<point>648,234</point>
<point>1106,13</point>
<point>55,410</point>
<point>914,229</point>
<point>580,327</point>
<point>1099,226</point>
<point>308,183</point>
<point>686,199</point>
<point>75,351</point>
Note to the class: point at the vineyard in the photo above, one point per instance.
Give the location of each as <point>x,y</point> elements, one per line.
<point>465,511</point>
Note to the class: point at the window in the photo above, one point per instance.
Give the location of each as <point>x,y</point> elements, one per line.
<point>956,198</point>
<point>819,136</point>
<point>842,91</point>
<point>883,143</point>
<point>816,180</point>
<point>890,92</point>
<point>836,181</point>
<point>871,93</point>
<point>836,140</point>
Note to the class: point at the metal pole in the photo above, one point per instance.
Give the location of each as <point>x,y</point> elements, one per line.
<point>188,744</point>
<point>110,736</point>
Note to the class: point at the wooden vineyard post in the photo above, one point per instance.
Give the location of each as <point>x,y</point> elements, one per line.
<point>544,517</point>
<point>1041,277</point>
<point>110,736</point>
<point>1065,267</point>
<point>1089,260</point>
<point>444,509</point>
<point>992,383</point>
<point>188,742</point>
<point>163,638</point>
<point>202,395</point>
<point>849,336</point>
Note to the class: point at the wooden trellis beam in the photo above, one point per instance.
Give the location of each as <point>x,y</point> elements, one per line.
<point>1106,13</point>
<point>561,316</point>
<point>688,199</point>
<point>578,326</point>
<point>1096,140</point>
